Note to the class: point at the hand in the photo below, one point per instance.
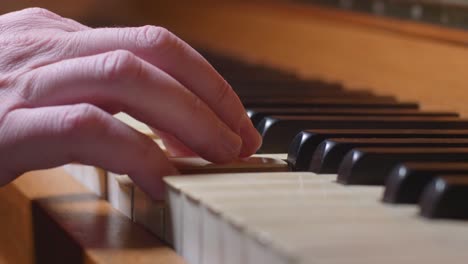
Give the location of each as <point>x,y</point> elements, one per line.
<point>60,83</point>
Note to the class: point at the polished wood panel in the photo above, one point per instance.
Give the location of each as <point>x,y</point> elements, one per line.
<point>16,241</point>
<point>74,225</point>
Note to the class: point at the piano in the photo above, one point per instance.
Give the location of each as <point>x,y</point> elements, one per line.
<point>365,157</point>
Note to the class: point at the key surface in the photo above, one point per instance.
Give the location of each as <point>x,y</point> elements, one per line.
<point>330,153</point>
<point>256,91</point>
<point>153,215</point>
<point>279,131</point>
<point>196,165</point>
<point>348,220</point>
<point>305,143</point>
<point>407,181</point>
<point>301,93</point>
<point>256,88</point>
<point>281,83</point>
<point>135,124</point>
<point>257,114</point>
<point>446,197</point>
<point>329,103</point>
<point>371,166</point>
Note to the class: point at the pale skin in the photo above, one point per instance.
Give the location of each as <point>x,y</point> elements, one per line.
<point>61,82</point>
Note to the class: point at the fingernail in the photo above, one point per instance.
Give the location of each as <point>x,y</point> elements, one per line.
<point>251,139</point>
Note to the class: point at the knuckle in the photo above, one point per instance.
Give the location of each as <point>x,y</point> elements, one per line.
<point>155,37</point>
<point>39,12</point>
<point>27,85</point>
<point>5,82</point>
<point>120,64</point>
<point>80,118</point>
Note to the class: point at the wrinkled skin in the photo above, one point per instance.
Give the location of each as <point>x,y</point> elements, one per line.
<point>61,82</point>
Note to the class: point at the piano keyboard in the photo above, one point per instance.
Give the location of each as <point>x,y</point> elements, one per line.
<point>302,218</point>
<point>337,180</point>
<point>101,182</point>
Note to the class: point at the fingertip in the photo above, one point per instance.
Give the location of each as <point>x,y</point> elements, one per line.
<point>152,183</point>
<point>251,139</point>
<point>148,174</point>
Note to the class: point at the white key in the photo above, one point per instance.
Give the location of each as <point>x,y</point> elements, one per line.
<point>190,231</point>
<point>317,221</point>
<point>151,214</point>
<point>135,124</point>
<point>91,177</point>
<point>120,193</point>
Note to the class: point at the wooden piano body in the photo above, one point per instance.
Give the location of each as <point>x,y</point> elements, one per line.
<point>47,212</point>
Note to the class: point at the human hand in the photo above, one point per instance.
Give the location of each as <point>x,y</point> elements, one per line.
<point>60,83</point>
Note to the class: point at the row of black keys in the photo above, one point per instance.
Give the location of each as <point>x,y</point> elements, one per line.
<point>366,139</point>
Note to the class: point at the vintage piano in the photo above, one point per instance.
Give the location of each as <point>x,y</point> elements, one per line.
<point>362,108</point>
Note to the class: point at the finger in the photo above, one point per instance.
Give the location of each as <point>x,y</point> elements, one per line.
<point>174,147</point>
<point>51,136</point>
<point>163,49</point>
<point>121,80</point>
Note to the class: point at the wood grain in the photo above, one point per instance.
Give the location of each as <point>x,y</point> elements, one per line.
<point>70,221</point>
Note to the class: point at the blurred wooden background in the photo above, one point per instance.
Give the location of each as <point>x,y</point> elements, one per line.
<point>388,56</point>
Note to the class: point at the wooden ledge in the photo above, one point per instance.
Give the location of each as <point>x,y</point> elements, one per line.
<point>71,225</point>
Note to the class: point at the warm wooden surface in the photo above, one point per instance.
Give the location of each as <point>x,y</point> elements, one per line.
<point>318,45</point>
<point>16,240</point>
<point>405,27</point>
<point>89,228</point>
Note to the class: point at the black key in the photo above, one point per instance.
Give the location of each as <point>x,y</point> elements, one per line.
<point>282,88</point>
<point>446,197</point>
<point>303,92</point>
<point>300,96</point>
<point>278,88</point>
<point>330,153</point>
<point>279,131</point>
<point>407,181</point>
<point>254,74</point>
<point>250,87</point>
<point>372,166</point>
<point>257,75</point>
<point>305,143</point>
<point>257,114</point>
<point>328,103</point>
